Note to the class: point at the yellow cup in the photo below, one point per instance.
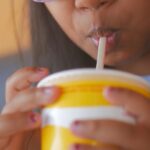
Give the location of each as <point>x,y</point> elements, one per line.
<point>82,99</point>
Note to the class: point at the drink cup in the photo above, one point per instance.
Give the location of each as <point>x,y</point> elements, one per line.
<point>82,99</point>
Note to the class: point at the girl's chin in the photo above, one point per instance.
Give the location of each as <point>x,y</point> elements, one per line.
<point>118,57</point>
<point>115,62</point>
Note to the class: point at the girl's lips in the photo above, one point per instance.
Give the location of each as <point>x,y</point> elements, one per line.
<point>111,38</point>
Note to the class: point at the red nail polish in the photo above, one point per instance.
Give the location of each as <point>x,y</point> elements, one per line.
<point>77,127</point>
<point>76,147</point>
<point>76,123</point>
<point>108,91</point>
<point>34,117</point>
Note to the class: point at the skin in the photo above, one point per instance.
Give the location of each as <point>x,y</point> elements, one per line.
<point>18,122</point>
<point>133,24</point>
<point>133,21</point>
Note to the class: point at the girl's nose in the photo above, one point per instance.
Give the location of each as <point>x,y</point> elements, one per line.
<point>90,4</point>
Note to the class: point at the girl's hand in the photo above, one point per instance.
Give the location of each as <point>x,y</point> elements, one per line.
<point>124,136</point>
<point>17,118</point>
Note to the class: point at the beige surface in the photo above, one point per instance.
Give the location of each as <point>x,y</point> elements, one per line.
<point>11,27</point>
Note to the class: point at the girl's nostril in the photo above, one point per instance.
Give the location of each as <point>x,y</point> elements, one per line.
<point>103,2</point>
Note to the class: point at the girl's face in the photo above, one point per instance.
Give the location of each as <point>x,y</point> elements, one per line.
<point>125,23</point>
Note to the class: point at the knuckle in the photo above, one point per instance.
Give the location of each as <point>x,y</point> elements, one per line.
<point>13,78</point>
<point>94,126</point>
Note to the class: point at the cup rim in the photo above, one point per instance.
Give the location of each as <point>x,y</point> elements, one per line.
<point>89,74</point>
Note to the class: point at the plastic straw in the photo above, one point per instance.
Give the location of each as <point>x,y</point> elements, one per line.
<point>101,53</point>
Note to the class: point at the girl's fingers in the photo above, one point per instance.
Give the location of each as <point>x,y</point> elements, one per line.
<point>113,132</point>
<point>134,103</point>
<point>89,147</point>
<point>23,79</point>
<point>12,124</point>
<point>31,99</point>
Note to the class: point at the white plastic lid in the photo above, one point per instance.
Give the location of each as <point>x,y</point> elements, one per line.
<point>93,74</point>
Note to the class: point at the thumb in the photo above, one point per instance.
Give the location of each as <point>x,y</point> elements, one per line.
<point>15,123</point>
<point>134,103</point>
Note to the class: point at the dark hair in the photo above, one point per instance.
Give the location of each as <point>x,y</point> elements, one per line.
<point>50,45</point>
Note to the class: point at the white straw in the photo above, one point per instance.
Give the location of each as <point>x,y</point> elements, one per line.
<point>101,53</point>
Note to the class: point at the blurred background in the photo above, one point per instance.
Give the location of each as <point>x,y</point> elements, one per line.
<point>14,40</point>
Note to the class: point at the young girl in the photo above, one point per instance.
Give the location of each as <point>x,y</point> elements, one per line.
<point>65,34</point>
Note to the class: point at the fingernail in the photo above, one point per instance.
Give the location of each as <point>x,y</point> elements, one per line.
<point>50,94</point>
<point>48,91</point>
<point>76,126</point>
<point>110,93</point>
<point>35,117</point>
<point>75,147</point>
<point>53,90</point>
<point>107,91</point>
